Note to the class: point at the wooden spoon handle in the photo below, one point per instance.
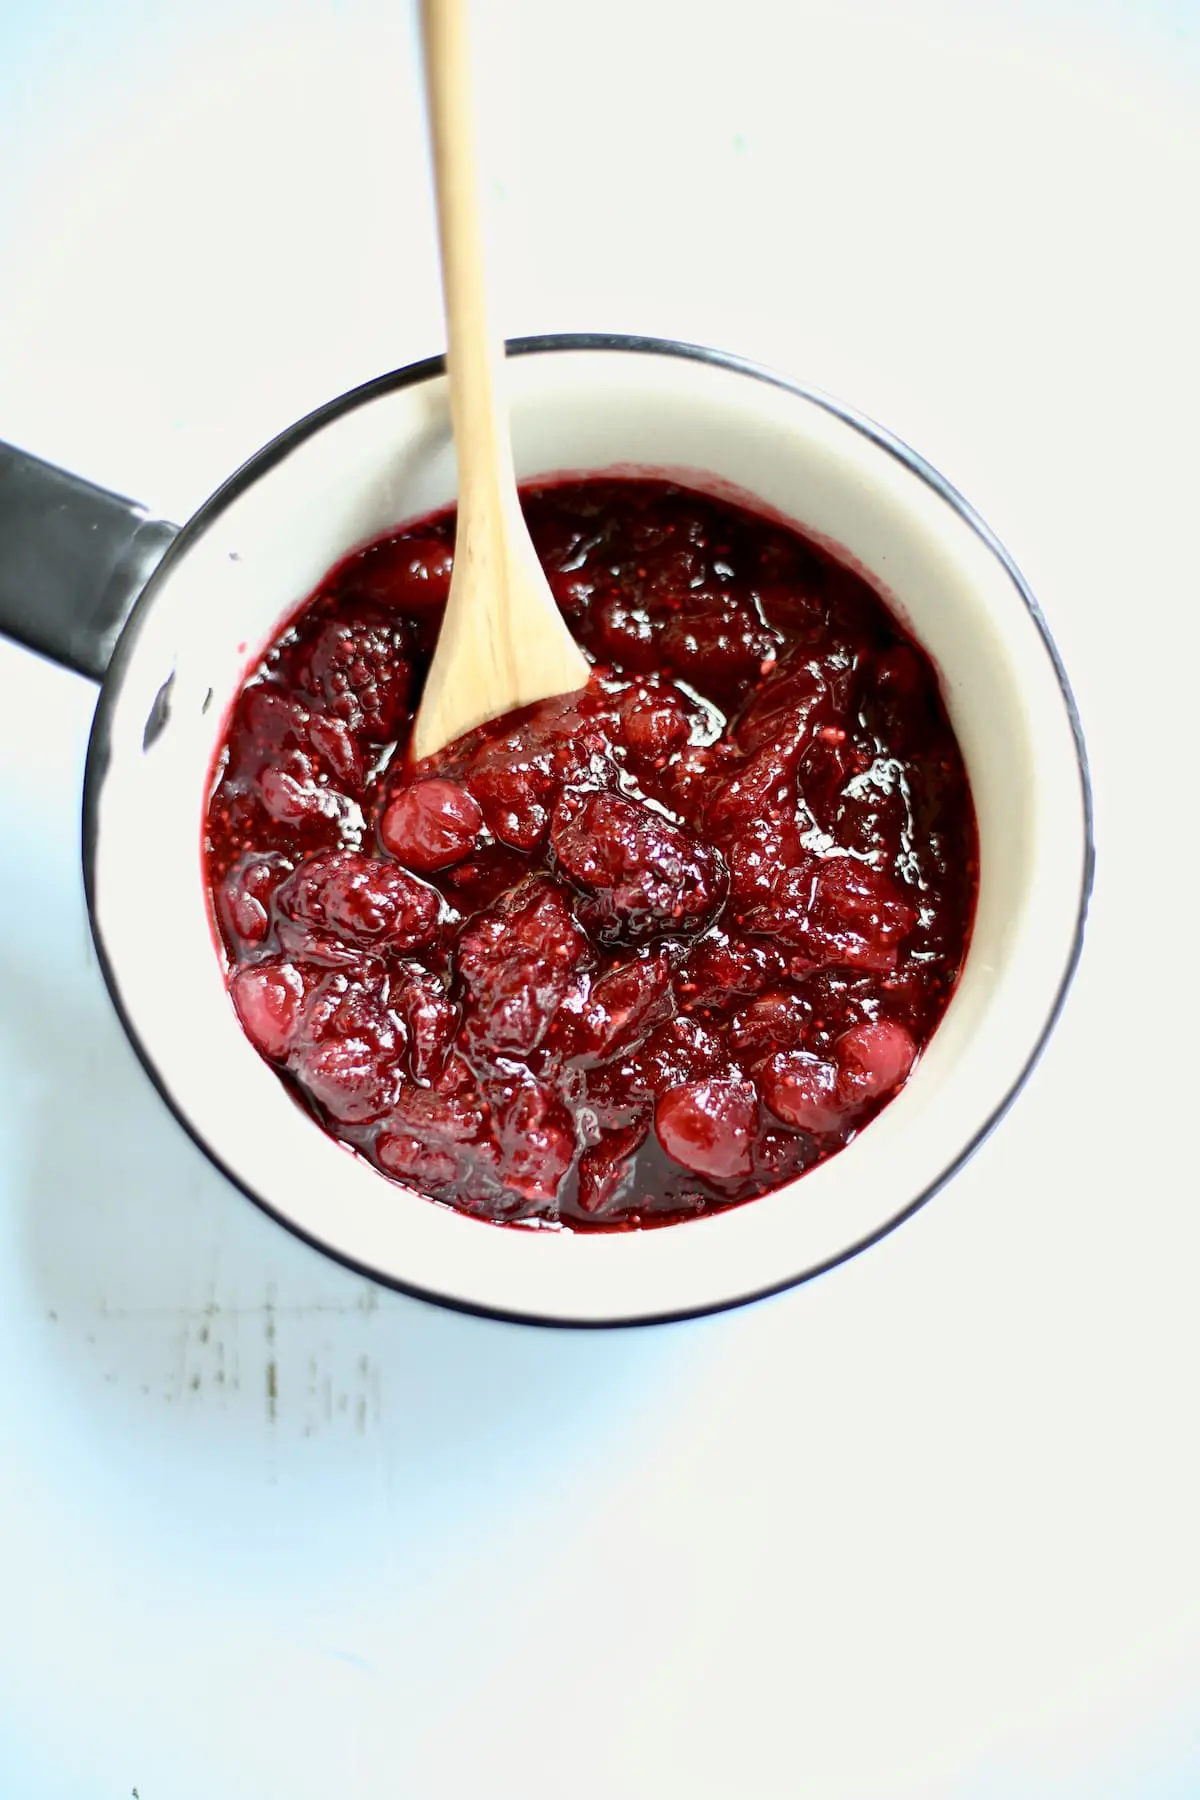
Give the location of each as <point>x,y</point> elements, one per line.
<point>481,441</point>
<point>503,642</point>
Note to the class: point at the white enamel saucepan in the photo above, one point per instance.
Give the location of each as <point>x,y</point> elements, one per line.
<point>74,560</point>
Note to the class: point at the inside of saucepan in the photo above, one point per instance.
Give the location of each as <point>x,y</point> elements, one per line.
<point>385,458</point>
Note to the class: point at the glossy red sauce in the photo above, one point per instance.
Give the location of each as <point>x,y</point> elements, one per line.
<point>626,957</point>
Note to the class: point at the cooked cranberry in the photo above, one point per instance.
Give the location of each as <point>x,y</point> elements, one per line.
<point>245,897</point>
<point>689,779</point>
<point>781,1154</point>
<point>269,997</point>
<point>437,1139</point>
<point>898,672</point>
<point>572,591</point>
<point>645,876</point>
<point>679,1051</point>
<point>857,916</point>
<point>358,668</point>
<point>782,709</point>
<point>775,1021</point>
<point>430,1021</point>
<point>898,695</point>
<point>485,878</point>
<point>724,969</point>
<point>763,787</point>
<point>770,875</point>
<point>431,825</point>
<point>347,1076</point>
<point>709,1127</point>
<point>675,571</point>
<point>792,604</point>
<point>511,803</point>
<point>874,804</point>
<point>331,740</point>
<point>409,574</point>
<point>293,793</point>
<point>873,1058</point>
<point>516,965</point>
<point>351,1001</point>
<point>740,863</point>
<point>717,642</point>
<point>802,1089</point>
<point>517,771</point>
<point>617,1095</point>
<point>625,632</point>
<point>535,1136</point>
<point>427,1166</point>
<point>832,768</point>
<point>358,900</point>
<point>624,1006</point>
<point>607,1169</point>
<point>654,724</point>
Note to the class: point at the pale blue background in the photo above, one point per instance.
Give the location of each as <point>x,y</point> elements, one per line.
<point>924,1530</point>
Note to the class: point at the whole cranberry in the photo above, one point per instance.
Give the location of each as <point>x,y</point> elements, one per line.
<point>873,1058</point>
<point>709,1127</point>
<point>269,999</point>
<point>408,574</point>
<point>431,825</point>
<point>244,898</point>
<point>654,724</point>
<point>644,876</point>
<point>802,1090</point>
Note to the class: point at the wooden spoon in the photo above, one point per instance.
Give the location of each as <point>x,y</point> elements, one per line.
<point>503,642</point>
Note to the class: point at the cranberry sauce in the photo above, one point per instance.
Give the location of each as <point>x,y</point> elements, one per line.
<point>622,958</point>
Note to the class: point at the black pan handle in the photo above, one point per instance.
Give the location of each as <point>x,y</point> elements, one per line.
<point>73,559</point>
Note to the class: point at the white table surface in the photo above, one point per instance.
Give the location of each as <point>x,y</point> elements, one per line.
<point>924,1528</point>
